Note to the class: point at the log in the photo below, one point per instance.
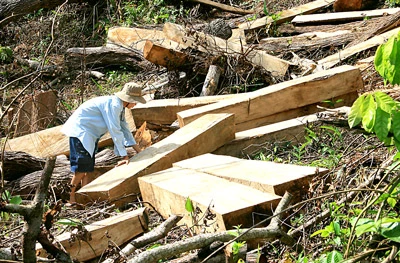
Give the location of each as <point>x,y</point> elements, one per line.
<point>104,56</point>
<point>211,82</point>
<point>286,15</point>
<point>224,7</point>
<point>331,61</point>
<point>211,196</point>
<point>274,99</point>
<point>133,38</point>
<point>353,5</point>
<point>162,56</point>
<point>163,112</point>
<point>249,142</point>
<point>340,17</point>
<point>116,229</point>
<point>217,46</point>
<point>51,142</point>
<point>204,135</point>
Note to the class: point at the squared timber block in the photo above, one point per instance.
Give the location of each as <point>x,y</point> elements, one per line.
<point>219,203</point>
<point>248,142</point>
<point>282,97</point>
<point>120,184</point>
<point>119,229</point>
<point>270,177</point>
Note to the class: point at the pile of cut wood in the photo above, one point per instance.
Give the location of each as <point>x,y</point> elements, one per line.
<point>200,160</point>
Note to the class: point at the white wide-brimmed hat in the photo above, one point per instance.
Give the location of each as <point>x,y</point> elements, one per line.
<point>131,94</point>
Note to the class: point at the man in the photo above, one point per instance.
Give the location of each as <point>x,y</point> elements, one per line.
<point>91,121</point>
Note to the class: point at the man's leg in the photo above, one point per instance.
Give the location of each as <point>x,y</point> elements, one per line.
<point>77,178</point>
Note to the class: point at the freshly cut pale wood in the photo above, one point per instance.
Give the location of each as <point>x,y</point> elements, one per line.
<point>166,57</point>
<point>224,7</point>
<point>215,45</point>
<point>133,37</point>
<point>250,141</point>
<point>116,229</point>
<point>163,111</point>
<point>222,204</point>
<point>203,135</point>
<point>51,142</point>
<point>282,97</point>
<point>269,177</point>
<point>342,16</point>
<point>331,61</point>
<point>211,81</point>
<point>238,36</point>
<point>286,15</point>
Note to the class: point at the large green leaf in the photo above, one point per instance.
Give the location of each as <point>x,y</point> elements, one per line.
<point>384,101</point>
<point>334,257</point>
<point>387,61</point>
<point>391,231</point>
<point>382,124</point>
<point>356,112</point>
<point>369,112</point>
<point>396,124</point>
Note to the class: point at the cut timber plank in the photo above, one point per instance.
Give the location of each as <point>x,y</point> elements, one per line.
<point>331,61</point>
<point>223,204</point>
<point>204,135</point>
<point>269,177</point>
<point>215,45</point>
<point>51,142</point>
<point>342,16</point>
<point>118,229</point>
<point>163,111</point>
<point>283,97</point>
<point>249,141</point>
<point>162,56</point>
<point>287,15</point>
<point>133,37</point>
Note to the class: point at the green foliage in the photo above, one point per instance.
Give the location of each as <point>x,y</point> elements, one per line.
<point>69,222</point>
<point>378,113</point>
<point>387,60</point>
<point>392,3</point>
<point>6,54</point>
<point>14,200</point>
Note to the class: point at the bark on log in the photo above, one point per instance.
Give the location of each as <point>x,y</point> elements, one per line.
<point>11,10</point>
<point>104,56</point>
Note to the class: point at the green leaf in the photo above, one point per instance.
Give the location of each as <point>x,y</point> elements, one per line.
<point>69,222</point>
<point>334,257</point>
<point>391,201</point>
<point>387,61</point>
<point>391,231</point>
<point>369,113</point>
<point>384,101</point>
<point>382,124</point>
<point>396,124</point>
<point>189,205</point>
<point>16,200</point>
<point>356,112</point>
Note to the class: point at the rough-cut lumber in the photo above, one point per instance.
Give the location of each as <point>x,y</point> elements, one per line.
<point>117,229</point>
<point>283,97</point>
<point>166,57</point>
<point>211,81</point>
<point>215,45</point>
<point>223,204</point>
<point>103,56</point>
<point>286,15</point>
<point>331,61</point>
<point>51,142</point>
<point>133,37</point>
<point>224,7</point>
<point>308,41</point>
<point>269,177</point>
<point>203,135</point>
<point>163,111</point>
<point>342,16</point>
<point>249,141</point>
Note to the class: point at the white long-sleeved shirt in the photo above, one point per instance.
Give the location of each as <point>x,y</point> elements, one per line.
<point>94,118</point>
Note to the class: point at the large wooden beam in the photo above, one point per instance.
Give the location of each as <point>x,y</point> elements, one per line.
<point>116,229</point>
<point>286,15</point>
<point>202,136</point>
<point>331,61</point>
<point>283,97</point>
<point>162,56</point>
<point>219,203</point>
<point>249,142</point>
<point>269,177</point>
<point>342,16</point>
<point>215,45</point>
<point>51,142</point>
<point>133,37</point>
<point>163,111</point>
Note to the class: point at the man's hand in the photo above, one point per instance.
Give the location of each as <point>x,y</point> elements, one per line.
<point>125,160</point>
